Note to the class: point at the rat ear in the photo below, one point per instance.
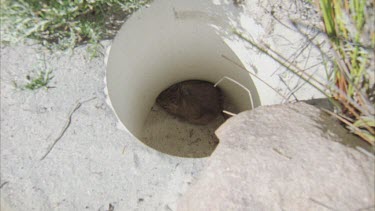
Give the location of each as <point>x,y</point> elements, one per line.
<point>173,88</point>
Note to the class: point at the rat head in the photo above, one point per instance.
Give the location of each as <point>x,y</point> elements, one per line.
<point>169,99</point>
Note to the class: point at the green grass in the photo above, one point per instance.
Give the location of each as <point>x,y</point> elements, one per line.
<point>63,24</point>
<point>344,22</point>
<point>41,80</point>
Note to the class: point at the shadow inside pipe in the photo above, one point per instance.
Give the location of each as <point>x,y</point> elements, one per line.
<point>173,136</point>
<point>203,107</point>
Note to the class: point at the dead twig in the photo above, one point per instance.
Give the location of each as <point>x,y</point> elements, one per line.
<point>111,207</point>
<point>4,183</point>
<point>282,154</point>
<point>78,105</point>
<point>243,68</point>
<point>356,130</point>
<point>321,204</point>
<point>290,90</point>
<point>366,208</point>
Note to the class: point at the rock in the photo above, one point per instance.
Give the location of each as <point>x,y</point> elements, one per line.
<point>285,157</point>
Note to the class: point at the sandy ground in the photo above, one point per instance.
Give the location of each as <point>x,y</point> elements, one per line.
<point>174,136</point>
<point>94,164</point>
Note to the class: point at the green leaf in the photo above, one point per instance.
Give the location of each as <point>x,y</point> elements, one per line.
<point>365,121</point>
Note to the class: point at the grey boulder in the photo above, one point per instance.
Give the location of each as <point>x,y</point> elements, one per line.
<point>285,157</point>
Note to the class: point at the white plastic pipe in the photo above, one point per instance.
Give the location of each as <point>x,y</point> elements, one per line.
<point>162,45</point>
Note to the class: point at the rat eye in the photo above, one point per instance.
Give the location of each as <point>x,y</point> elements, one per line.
<point>173,99</point>
<point>185,91</point>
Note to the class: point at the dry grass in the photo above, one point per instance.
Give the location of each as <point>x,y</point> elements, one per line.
<point>350,82</point>
<point>349,28</point>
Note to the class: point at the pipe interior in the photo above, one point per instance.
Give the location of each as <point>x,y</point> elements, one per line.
<point>146,59</point>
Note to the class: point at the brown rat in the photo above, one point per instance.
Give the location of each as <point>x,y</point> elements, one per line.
<point>198,102</point>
